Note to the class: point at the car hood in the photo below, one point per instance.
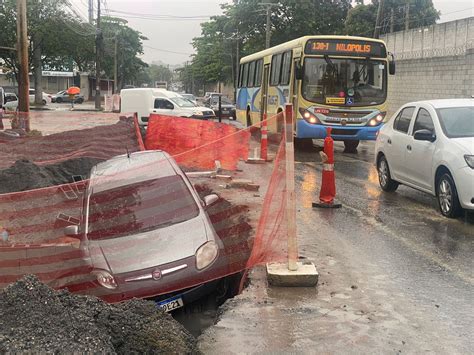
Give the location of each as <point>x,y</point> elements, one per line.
<point>201,108</point>
<point>465,144</point>
<point>149,249</point>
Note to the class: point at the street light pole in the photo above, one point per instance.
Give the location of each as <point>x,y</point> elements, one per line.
<point>22,47</point>
<point>97,59</point>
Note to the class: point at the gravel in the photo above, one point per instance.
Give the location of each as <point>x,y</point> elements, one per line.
<point>35,318</point>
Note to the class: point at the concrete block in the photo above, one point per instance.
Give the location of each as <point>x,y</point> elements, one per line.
<point>279,275</point>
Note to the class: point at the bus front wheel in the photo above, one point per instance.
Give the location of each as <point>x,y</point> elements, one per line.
<point>351,146</point>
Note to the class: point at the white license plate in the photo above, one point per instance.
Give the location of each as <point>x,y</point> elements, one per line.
<point>171,304</point>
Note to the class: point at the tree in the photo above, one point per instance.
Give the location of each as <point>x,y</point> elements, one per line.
<point>361,19</point>
<point>244,21</point>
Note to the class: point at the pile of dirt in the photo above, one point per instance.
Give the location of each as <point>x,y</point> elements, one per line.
<point>35,318</point>
<point>26,175</point>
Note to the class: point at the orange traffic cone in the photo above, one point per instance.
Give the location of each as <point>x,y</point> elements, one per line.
<point>328,184</point>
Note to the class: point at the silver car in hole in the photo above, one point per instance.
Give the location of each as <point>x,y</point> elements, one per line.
<point>146,230</point>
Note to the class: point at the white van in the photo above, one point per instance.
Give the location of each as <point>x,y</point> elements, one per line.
<point>148,100</point>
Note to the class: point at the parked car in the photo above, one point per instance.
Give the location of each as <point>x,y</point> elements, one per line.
<point>145,101</point>
<point>10,96</point>
<point>46,97</point>
<point>228,108</point>
<point>63,96</point>
<point>190,97</point>
<point>147,232</point>
<point>429,145</point>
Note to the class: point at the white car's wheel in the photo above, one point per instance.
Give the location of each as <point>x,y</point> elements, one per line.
<point>447,195</point>
<point>385,179</point>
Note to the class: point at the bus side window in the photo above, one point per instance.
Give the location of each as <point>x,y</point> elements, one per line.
<point>251,74</point>
<point>286,69</point>
<point>258,73</point>
<point>241,72</point>
<point>246,75</point>
<point>276,70</point>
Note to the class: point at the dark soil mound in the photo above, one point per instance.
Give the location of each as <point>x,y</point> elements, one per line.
<point>25,175</point>
<point>35,318</point>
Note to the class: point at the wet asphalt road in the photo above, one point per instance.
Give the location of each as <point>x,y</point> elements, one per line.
<point>401,236</point>
<point>394,275</point>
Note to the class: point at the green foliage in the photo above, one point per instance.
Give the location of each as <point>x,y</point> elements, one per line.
<point>361,19</point>
<point>67,42</point>
<point>245,21</point>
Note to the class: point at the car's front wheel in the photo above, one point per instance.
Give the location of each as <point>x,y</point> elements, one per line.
<point>59,100</point>
<point>385,179</point>
<point>44,102</point>
<point>448,200</point>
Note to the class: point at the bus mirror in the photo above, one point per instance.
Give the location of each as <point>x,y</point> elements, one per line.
<point>298,71</point>
<point>391,67</point>
<point>391,64</point>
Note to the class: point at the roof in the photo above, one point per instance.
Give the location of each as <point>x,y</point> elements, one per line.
<point>444,103</point>
<point>129,169</point>
<point>299,42</point>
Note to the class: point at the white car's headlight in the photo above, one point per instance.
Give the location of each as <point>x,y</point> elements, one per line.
<point>206,255</point>
<point>105,279</point>
<point>469,160</point>
<point>197,113</point>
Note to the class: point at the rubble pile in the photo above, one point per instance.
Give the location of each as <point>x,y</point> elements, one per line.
<point>35,318</point>
<point>25,175</point>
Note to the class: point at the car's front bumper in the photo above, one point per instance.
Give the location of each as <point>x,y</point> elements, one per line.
<point>464,179</point>
<point>318,131</point>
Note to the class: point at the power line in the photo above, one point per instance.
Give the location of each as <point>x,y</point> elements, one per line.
<point>167,17</point>
<point>167,51</point>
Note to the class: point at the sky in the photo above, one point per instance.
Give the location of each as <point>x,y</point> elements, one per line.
<point>175,23</point>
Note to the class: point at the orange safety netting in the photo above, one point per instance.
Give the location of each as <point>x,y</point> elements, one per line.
<point>197,143</point>
<point>139,217</point>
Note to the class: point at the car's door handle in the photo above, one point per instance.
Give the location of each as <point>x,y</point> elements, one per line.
<point>389,141</point>
<point>409,147</point>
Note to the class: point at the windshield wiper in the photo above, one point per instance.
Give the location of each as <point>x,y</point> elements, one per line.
<point>331,64</point>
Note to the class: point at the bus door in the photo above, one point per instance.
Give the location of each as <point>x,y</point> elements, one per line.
<point>294,89</point>
<point>264,105</point>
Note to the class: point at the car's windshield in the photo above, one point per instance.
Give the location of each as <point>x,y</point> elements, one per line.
<point>182,102</point>
<point>344,82</point>
<point>140,207</point>
<point>457,122</point>
<point>188,96</point>
<point>224,100</point>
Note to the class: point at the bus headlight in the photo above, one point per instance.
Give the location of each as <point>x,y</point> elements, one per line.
<point>375,121</point>
<point>309,117</point>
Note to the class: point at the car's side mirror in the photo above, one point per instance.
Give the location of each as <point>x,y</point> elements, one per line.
<point>424,135</point>
<point>71,231</point>
<point>210,199</point>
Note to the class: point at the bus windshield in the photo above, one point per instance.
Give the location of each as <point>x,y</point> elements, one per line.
<point>345,82</point>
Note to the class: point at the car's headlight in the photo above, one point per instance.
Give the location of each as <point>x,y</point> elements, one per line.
<point>105,279</point>
<point>469,160</point>
<point>309,117</point>
<point>206,255</point>
<point>197,113</point>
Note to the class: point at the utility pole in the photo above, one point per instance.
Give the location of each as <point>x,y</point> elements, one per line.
<point>392,21</point>
<point>268,8</point>
<point>378,20</point>
<point>115,66</point>
<point>237,69</point>
<point>407,16</point>
<point>98,42</point>
<point>91,11</point>
<point>22,47</point>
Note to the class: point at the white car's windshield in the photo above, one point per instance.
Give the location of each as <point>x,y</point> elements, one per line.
<point>140,207</point>
<point>181,102</point>
<point>457,122</point>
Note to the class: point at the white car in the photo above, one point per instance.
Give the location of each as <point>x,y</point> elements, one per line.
<point>46,98</point>
<point>429,145</point>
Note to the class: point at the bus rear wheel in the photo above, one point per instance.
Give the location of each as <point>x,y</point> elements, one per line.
<point>351,146</point>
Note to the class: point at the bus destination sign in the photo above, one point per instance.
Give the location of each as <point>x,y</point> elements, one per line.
<point>345,47</point>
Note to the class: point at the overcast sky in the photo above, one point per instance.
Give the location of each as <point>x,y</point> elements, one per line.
<point>175,23</point>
